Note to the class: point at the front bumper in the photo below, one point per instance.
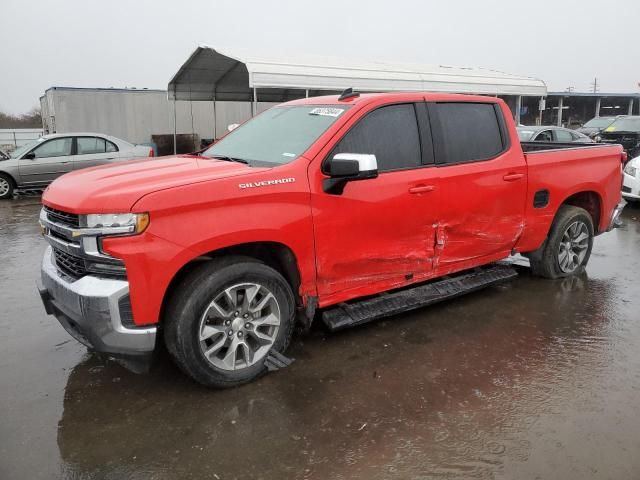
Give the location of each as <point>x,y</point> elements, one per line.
<point>89,309</point>
<point>630,187</point>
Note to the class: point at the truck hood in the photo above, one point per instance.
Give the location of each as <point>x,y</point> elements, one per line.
<point>116,187</point>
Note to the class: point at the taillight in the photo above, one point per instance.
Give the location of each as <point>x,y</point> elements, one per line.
<point>151,154</point>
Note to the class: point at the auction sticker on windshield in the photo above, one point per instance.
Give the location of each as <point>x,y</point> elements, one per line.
<point>326,111</point>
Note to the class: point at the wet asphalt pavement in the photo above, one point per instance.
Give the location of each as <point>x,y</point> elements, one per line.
<point>530,379</point>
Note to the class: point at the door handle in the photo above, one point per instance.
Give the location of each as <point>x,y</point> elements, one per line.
<point>422,189</point>
<point>512,177</point>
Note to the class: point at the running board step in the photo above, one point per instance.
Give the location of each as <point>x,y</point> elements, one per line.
<point>346,315</point>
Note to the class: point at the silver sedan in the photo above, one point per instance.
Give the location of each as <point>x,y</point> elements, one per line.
<point>39,163</point>
<point>550,134</point>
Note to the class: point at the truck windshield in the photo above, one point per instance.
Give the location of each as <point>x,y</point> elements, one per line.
<point>599,122</point>
<point>625,124</point>
<point>277,136</point>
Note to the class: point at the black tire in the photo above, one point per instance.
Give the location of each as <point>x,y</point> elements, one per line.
<point>190,299</point>
<point>8,193</point>
<point>544,261</point>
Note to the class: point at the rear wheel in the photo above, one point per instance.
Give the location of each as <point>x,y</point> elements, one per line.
<point>6,186</point>
<point>225,317</point>
<point>568,246</point>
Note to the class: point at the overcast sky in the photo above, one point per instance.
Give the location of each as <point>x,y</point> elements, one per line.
<point>141,43</point>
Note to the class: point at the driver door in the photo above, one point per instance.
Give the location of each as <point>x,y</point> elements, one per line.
<point>377,233</point>
<point>46,162</point>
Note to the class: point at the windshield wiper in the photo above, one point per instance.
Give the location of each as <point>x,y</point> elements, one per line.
<point>230,159</point>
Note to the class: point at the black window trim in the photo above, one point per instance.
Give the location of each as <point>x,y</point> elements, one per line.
<point>438,135</point>
<point>421,119</point>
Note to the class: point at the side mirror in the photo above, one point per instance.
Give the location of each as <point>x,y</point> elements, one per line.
<point>348,167</point>
<point>30,156</point>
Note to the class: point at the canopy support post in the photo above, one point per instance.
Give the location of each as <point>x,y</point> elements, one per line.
<point>254,104</point>
<point>306,93</point>
<point>560,106</point>
<point>598,106</point>
<point>518,109</point>
<point>630,111</point>
<point>215,120</point>
<point>175,128</point>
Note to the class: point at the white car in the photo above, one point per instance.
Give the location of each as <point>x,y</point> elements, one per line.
<point>39,163</point>
<point>631,180</point>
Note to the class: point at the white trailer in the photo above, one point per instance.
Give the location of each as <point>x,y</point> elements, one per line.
<point>136,114</point>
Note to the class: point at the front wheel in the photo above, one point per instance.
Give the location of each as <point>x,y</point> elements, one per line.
<point>6,186</point>
<point>568,246</point>
<point>225,317</point>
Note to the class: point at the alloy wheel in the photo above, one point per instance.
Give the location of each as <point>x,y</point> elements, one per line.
<point>239,327</point>
<point>573,246</point>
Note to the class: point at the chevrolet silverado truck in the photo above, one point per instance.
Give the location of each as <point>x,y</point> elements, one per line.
<point>346,208</point>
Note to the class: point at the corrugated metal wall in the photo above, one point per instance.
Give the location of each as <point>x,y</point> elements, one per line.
<point>135,115</point>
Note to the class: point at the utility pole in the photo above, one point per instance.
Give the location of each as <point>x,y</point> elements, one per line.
<point>570,89</point>
<point>594,85</point>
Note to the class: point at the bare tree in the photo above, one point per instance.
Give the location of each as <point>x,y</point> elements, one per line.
<point>32,119</point>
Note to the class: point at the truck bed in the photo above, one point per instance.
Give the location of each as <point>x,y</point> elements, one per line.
<point>558,171</point>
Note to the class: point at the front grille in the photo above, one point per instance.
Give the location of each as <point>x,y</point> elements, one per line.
<point>64,218</point>
<point>70,265</point>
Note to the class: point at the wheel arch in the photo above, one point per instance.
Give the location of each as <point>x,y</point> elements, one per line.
<point>589,200</point>
<point>276,255</point>
<point>11,177</point>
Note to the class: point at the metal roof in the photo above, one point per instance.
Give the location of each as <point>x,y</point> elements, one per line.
<point>231,74</point>
<point>594,95</point>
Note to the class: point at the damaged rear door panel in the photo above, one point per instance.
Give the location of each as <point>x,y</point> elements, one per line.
<point>483,183</point>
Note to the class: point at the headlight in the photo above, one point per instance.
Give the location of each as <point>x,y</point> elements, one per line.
<point>112,224</point>
<point>629,170</point>
<point>597,138</point>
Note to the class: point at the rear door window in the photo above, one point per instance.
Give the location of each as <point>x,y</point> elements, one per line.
<point>545,136</point>
<point>90,145</point>
<point>390,133</point>
<point>564,136</point>
<point>469,132</point>
<point>111,147</point>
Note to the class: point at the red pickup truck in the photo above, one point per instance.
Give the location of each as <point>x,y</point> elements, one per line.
<point>345,208</point>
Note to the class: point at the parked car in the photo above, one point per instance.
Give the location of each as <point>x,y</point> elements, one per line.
<point>631,180</point>
<point>342,205</point>
<point>625,131</point>
<point>594,126</point>
<point>550,134</point>
<point>37,164</point>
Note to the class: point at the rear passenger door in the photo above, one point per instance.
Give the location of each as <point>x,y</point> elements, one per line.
<point>482,181</point>
<point>92,151</point>
<point>378,233</point>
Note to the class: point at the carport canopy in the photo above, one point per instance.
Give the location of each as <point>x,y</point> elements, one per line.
<point>233,75</point>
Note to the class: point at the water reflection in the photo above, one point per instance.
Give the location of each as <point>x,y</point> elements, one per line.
<point>454,390</point>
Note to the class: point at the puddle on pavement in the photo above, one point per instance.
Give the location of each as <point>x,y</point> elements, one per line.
<point>531,379</point>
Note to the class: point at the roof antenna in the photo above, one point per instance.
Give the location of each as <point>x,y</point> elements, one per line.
<point>348,93</point>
